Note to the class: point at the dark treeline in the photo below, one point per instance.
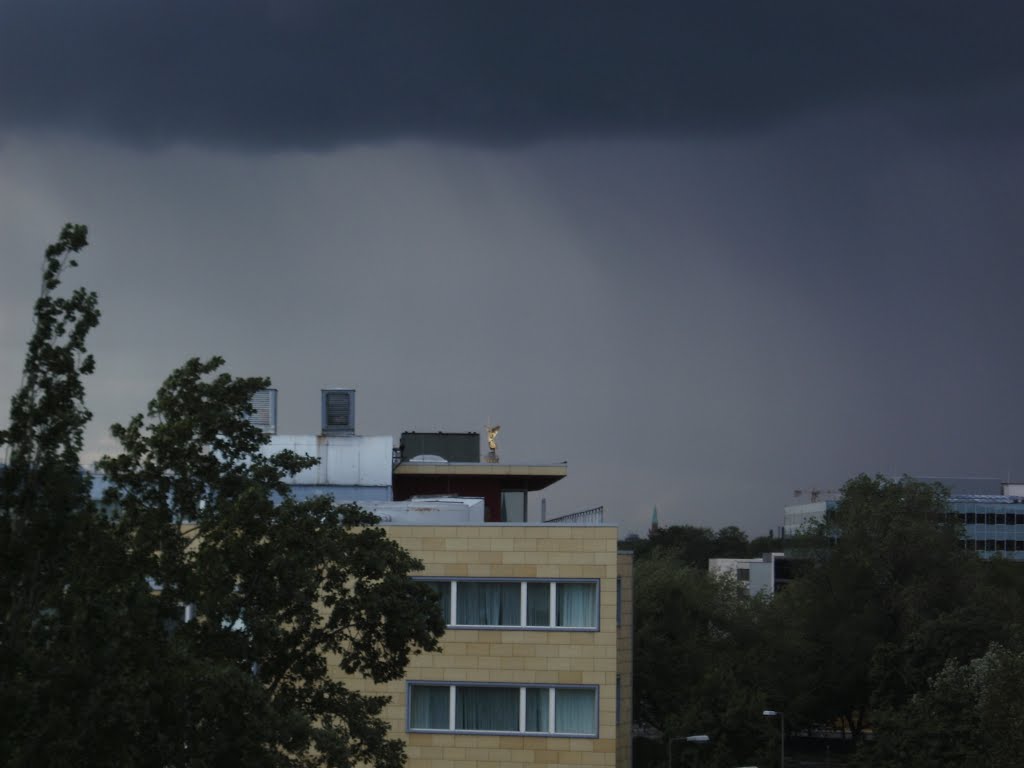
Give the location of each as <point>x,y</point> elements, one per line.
<point>694,546</point>
<point>893,646</point>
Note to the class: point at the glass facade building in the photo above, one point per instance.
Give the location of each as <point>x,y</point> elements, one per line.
<point>993,525</point>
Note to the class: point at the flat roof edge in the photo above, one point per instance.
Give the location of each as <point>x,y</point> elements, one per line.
<point>495,470</point>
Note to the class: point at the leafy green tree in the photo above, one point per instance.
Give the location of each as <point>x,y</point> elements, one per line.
<point>730,541</point>
<point>70,606</point>
<point>277,591</point>
<point>761,544</point>
<point>970,714</point>
<point>690,544</point>
<point>698,658</point>
<point>887,602</point>
<point>883,597</point>
<point>206,617</point>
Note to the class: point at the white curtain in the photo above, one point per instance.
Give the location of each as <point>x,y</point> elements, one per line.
<point>487,709</point>
<point>493,603</point>
<point>575,711</point>
<point>428,707</point>
<point>537,710</point>
<point>577,605</point>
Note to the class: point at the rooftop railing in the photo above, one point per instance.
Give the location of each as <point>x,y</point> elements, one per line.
<point>583,517</point>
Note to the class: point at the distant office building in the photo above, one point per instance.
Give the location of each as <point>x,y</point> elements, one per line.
<point>993,524</point>
<point>800,517</point>
<point>991,512</point>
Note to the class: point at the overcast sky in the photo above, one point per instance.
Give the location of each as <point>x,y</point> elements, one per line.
<point>706,253</point>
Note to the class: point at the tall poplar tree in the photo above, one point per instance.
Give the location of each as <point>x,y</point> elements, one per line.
<point>71,609</point>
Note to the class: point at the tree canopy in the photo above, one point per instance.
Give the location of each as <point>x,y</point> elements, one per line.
<point>691,544</point>
<point>698,651</point>
<point>969,713</point>
<point>70,609</point>
<point>202,616</point>
<point>880,631</point>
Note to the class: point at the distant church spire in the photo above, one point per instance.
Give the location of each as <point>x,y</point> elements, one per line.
<point>654,519</point>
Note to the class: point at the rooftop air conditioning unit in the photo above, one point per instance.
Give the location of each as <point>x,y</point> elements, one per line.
<point>338,411</point>
<point>264,403</point>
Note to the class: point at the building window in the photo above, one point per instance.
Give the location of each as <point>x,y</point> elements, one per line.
<point>428,707</point>
<point>444,594</point>
<point>576,604</point>
<point>488,603</point>
<point>538,604</point>
<point>538,718</point>
<point>513,506</point>
<point>575,711</point>
<point>527,709</point>
<point>486,709</point>
<point>533,604</point>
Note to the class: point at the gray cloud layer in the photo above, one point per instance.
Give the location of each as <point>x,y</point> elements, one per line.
<point>271,74</point>
<point>700,325</point>
<point>706,253</point>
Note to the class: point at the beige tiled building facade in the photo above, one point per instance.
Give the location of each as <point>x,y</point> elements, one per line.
<point>536,665</point>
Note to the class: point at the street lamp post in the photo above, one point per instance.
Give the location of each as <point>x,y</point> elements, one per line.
<point>782,734</point>
<point>699,738</point>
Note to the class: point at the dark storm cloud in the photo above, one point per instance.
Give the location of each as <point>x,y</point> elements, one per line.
<point>317,74</point>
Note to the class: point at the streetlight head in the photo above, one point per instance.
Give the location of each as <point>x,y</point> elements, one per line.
<point>701,738</point>
<point>769,713</point>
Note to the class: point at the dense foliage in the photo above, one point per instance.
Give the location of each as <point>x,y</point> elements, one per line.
<point>969,714</point>
<point>696,644</point>
<point>888,623</point>
<point>202,616</point>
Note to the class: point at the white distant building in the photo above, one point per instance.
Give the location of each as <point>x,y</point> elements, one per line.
<point>760,575</point>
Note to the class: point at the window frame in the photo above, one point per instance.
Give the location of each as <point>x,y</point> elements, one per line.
<point>552,690</point>
<point>551,626</point>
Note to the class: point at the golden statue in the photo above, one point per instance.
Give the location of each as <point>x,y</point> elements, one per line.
<point>492,438</point>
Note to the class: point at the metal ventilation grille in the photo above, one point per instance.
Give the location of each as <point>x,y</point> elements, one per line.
<point>338,411</point>
<point>264,402</point>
